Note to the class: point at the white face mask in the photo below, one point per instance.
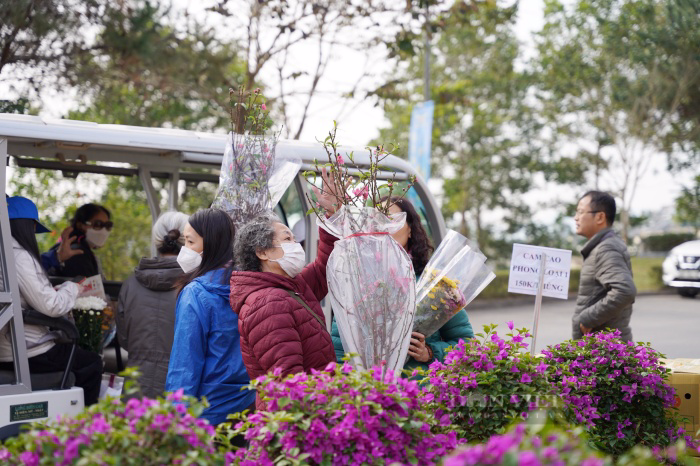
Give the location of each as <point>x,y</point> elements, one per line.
<point>294,259</point>
<point>189,259</point>
<point>96,238</point>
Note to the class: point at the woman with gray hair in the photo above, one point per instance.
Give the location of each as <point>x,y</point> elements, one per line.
<point>276,297</point>
<point>146,309</point>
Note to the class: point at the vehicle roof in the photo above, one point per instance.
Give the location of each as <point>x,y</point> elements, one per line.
<point>44,137</point>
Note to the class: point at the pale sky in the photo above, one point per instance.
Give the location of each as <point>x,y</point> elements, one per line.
<point>657,190</point>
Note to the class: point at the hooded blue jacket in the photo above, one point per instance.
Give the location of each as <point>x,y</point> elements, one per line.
<point>206,358</point>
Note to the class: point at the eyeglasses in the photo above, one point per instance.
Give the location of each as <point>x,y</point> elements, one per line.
<point>579,213</point>
<point>99,224</point>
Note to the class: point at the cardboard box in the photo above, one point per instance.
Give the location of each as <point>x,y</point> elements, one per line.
<point>685,378</point>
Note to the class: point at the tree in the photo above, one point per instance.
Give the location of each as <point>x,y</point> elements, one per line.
<point>151,73</point>
<point>688,205</point>
<point>670,49</point>
<point>484,143</point>
<point>603,91</point>
<point>276,33</point>
<point>147,74</point>
<point>40,40</point>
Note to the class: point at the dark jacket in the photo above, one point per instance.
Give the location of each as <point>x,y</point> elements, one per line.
<point>80,265</point>
<point>606,290</point>
<point>146,320</point>
<point>206,357</point>
<point>276,330</point>
<point>457,328</point>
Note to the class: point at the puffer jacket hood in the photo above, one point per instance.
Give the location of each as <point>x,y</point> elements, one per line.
<point>158,273</point>
<point>247,283</point>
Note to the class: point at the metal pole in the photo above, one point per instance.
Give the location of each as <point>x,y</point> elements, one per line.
<point>10,298</point>
<point>538,303</point>
<point>426,71</point>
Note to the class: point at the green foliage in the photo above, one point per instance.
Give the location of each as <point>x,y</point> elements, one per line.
<point>150,72</point>
<point>137,432</point>
<point>616,389</point>
<point>608,79</point>
<point>688,205</point>
<point>537,443</point>
<point>42,40</point>
<point>339,416</point>
<point>130,239</point>
<point>488,383</point>
<point>666,241</point>
<point>485,132</point>
<point>20,106</point>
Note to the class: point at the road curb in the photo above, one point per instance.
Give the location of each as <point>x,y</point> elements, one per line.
<point>485,304</point>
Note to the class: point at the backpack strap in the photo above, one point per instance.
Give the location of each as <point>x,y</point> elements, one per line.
<point>298,299</point>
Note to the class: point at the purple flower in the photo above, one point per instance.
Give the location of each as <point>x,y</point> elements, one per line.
<point>525,378</point>
<point>510,324</point>
<point>528,458</point>
<point>29,458</point>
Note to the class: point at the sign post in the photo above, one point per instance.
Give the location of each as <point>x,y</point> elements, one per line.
<point>539,271</point>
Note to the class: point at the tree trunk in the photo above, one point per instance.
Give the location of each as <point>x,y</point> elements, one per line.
<point>479,230</point>
<point>625,220</point>
<point>464,226</point>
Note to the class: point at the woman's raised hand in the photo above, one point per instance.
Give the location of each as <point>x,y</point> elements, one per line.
<point>64,251</point>
<point>329,197</point>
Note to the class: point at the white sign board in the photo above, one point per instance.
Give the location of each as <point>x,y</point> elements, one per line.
<point>525,271</point>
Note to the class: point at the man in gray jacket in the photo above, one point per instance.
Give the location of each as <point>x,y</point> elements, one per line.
<point>606,290</point>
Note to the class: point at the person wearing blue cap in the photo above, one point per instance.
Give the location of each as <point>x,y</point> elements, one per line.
<point>36,292</point>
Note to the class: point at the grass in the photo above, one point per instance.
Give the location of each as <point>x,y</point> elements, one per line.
<point>647,273</point>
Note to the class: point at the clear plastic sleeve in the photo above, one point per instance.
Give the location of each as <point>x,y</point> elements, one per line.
<point>454,276</point>
<point>252,179</point>
<point>371,287</point>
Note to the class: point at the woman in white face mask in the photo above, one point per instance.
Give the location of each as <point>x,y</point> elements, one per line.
<point>73,255</point>
<point>276,296</point>
<point>206,353</point>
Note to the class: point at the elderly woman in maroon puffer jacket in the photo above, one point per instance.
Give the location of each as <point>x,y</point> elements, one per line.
<point>276,296</point>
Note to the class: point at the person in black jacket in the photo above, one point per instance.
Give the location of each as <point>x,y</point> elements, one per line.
<point>73,256</point>
<point>146,309</point>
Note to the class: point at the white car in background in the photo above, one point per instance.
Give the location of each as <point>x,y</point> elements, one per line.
<point>681,269</point>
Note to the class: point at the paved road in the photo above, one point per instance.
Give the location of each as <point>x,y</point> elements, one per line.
<point>669,322</point>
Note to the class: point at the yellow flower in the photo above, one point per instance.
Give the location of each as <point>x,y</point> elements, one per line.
<point>443,301</point>
<point>434,308</point>
<point>431,295</point>
<point>449,282</point>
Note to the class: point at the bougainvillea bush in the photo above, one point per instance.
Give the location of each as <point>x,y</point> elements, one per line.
<point>138,432</point>
<point>550,443</point>
<point>616,389</point>
<point>341,416</point>
<point>537,444</point>
<point>486,384</point>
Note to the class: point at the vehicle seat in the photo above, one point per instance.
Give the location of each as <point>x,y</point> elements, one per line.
<point>58,380</point>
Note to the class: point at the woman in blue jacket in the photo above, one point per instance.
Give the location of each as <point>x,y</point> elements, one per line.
<point>424,349</point>
<point>206,359</point>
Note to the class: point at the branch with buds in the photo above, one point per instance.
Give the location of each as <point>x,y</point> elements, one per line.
<point>360,190</point>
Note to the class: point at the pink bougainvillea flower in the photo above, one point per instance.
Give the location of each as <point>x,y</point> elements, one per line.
<point>29,458</point>
<point>341,160</point>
